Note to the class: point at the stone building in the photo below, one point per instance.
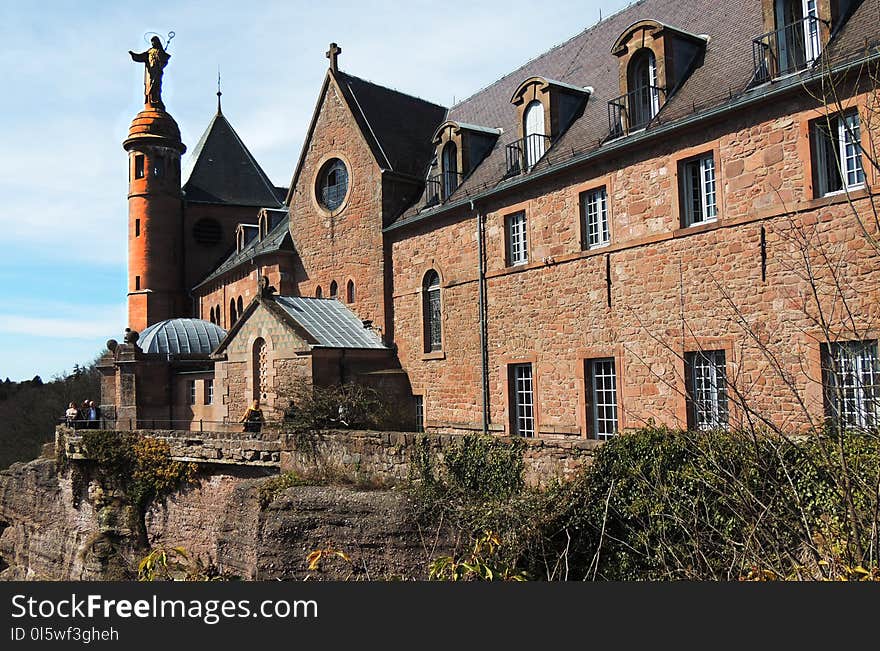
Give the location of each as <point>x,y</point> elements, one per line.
<point>667,218</point>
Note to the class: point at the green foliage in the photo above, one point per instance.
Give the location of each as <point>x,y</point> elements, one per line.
<point>270,488</point>
<point>480,465</point>
<point>176,564</point>
<point>484,563</point>
<point>659,504</point>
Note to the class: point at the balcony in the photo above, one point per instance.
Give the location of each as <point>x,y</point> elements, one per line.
<point>787,50</point>
<point>522,154</point>
<point>635,110</point>
<point>439,187</point>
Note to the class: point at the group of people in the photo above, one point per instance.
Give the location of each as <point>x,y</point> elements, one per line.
<point>86,416</point>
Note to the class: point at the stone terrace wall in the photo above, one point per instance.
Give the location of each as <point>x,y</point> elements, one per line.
<point>388,457</point>
<point>351,455</point>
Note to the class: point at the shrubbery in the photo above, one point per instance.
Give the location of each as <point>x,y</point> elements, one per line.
<point>661,504</point>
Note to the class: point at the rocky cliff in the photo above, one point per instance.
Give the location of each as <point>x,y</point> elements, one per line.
<point>64,525</point>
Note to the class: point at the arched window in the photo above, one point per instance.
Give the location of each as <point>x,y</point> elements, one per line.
<point>233,315</point>
<point>643,99</point>
<point>217,314</point>
<point>319,292</point>
<point>450,169</point>
<point>212,316</point>
<point>432,315</point>
<point>533,132</point>
<point>240,304</point>
<point>332,184</point>
<point>261,369</point>
<point>334,289</point>
<point>349,292</point>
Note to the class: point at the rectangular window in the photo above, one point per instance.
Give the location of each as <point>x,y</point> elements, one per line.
<point>517,243</point>
<point>159,167</point>
<point>139,166</point>
<point>594,210</point>
<point>522,400</point>
<point>420,413</point>
<point>137,283</point>
<point>191,387</point>
<point>137,227</point>
<point>706,380</point>
<point>697,184</point>
<point>209,392</point>
<point>851,381</point>
<point>602,392</point>
<point>837,154</point>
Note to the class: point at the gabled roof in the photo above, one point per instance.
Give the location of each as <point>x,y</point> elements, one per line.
<point>319,322</point>
<point>397,126</point>
<point>329,322</point>
<point>725,73</point>
<point>223,171</point>
<point>278,239</point>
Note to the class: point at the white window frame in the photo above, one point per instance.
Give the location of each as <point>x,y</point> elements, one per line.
<point>603,398</point>
<point>594,207</point>
<point>703,189</point>
<point>708,404</point>
<point>420,412</point>
<point>847,168</point>
<point>517,239</point>
<point>209,391</point>
<point>523,400</point>
<point>193,394</point>
<point>851,383</point>
<point>533,125</point>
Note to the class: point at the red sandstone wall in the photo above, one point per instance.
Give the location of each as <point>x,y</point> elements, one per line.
<point>346,245</point>
<point>673,289</point>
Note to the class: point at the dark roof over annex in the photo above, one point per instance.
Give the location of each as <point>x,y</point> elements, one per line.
<point>223,171</point>
<point>723,75</point>
<point>277,239</point>
<point>397,126</point>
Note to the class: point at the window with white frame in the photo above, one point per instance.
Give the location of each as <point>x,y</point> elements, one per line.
<point>698,196</point>
<point>209,391</point>
<point>191,389</point>
<point>522,399</point>
<point>706,380</point>
<point>594,208</point>
<point>602,391</point>
<point>851,382</point>
<point>517,241</point>
<point>837,154</point>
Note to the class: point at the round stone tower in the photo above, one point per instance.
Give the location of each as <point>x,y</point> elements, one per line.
<point>155,219</point>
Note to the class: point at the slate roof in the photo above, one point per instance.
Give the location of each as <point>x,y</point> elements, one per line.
<point>181,337</point>
<point>223,171</point>
<point>277,239</point>
<point>725,72</point>
<point>397,126</point>
<point>329,322</point>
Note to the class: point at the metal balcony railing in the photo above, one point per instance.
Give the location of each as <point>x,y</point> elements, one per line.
<point>788,49</point>
<point>439,187</point>
<point>635,109</point>
<point>522,154</point>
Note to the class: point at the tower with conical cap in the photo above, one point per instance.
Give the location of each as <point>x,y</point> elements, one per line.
<point>155,211</point>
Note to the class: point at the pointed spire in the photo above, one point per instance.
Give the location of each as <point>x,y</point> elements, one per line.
<point>219,92</point>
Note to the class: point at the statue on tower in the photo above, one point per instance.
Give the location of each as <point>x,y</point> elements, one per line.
<point>155,59</point>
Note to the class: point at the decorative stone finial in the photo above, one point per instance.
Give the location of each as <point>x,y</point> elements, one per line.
<point>266,289</point>
<point>131,336</point>
<point>333,54</point>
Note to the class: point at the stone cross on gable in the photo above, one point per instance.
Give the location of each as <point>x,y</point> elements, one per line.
<point>333,54</point>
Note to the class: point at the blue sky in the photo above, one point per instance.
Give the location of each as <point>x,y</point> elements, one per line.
<point>69,91</point>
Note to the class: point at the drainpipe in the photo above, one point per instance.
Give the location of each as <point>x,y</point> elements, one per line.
<point>484,328</point>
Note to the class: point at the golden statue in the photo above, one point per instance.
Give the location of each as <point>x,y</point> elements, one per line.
<point>155,59</point>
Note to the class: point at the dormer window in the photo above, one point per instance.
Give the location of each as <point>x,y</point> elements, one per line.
<point>460,148</point>
<point>535,139</point>
<point>654,61</point>
<point>643,99</point>
<point>546,110</point>
<point>794,41</point>
<point>245,234</point>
